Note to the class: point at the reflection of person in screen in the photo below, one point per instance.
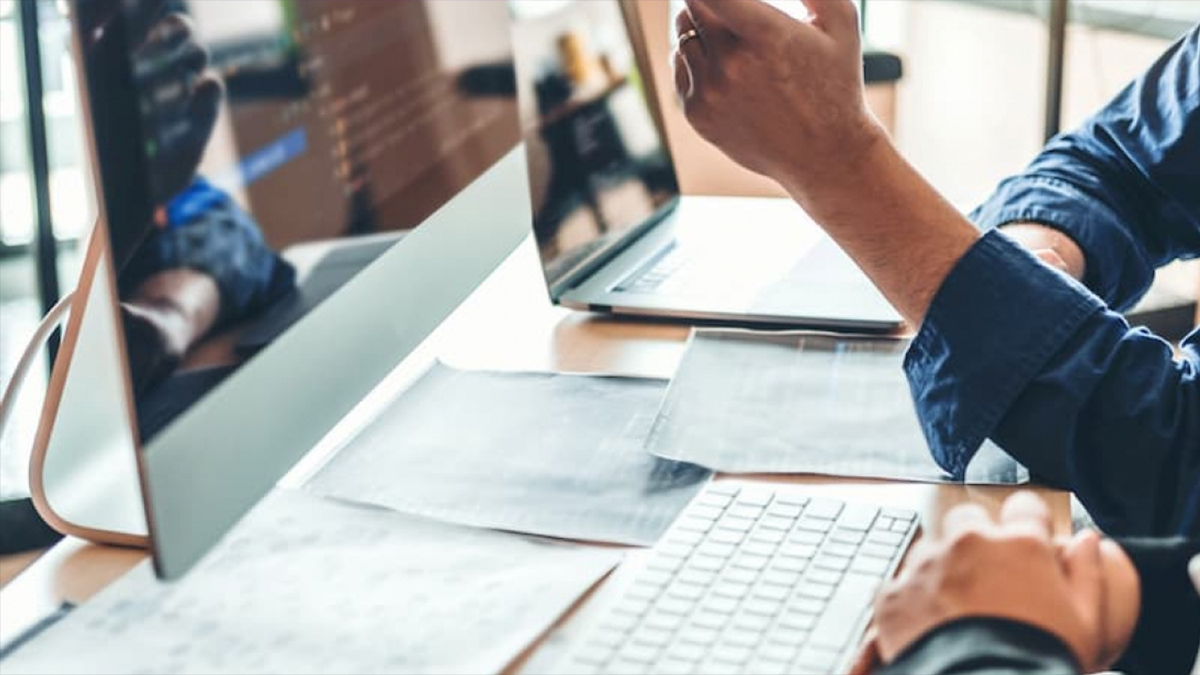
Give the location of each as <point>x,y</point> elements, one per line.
<point>203,261</point>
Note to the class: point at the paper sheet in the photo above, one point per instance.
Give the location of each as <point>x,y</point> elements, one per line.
<point>746,402</point>
<point>305,585</point>
<point>555,455</point>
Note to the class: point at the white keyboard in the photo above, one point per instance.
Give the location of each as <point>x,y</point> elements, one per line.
<point>750,580</point>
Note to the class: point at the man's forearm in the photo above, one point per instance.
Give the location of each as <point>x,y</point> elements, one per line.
<point>889,219</point>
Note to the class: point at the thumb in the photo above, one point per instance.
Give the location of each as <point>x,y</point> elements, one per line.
<point>868,659</point>
<point>837,18</point>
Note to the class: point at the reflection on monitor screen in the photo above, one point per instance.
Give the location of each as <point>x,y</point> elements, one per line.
<point>598,164</point>
<point>271,126</point>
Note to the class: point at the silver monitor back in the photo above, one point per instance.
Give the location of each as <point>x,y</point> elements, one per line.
<point>219,455</point>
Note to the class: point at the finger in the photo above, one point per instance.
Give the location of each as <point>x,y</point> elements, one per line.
<point>836,18</point>
<point>1026,510</point>
<point>1085,577</point>
<point>868,659</point>
<point>965,518</point>
<point>141,16</point>
<point>683,76</point>
<point>745,18</point>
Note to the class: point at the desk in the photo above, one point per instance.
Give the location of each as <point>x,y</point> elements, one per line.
<point>507,324</point>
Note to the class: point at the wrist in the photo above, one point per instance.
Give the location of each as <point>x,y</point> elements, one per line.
<point>851,157</point>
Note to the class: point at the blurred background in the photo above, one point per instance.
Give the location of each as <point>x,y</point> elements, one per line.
<point>969,105</point>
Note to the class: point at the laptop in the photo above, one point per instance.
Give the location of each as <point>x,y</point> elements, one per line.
<point>613,231</point>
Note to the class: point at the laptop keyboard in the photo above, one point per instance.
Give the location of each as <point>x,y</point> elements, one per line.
<point>651,276</point>
<point>750,580</point>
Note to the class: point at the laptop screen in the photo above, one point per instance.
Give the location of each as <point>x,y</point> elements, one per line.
<point>599,167</point>
<point>228,134</point>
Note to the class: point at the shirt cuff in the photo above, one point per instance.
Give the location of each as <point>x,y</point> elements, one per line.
<point>982,644</point>
<point>1116,270</point>
<point>998,318</point>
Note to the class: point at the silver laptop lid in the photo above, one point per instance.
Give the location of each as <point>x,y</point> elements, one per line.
<point>600,170</point>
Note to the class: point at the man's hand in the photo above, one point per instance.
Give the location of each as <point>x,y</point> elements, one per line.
<point>1084,591</point>
<point>776,94</point>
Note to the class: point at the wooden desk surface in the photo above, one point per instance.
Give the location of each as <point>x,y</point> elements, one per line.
<point>508,324</point>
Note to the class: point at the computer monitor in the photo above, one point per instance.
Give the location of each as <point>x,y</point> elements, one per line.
<point>357,164</point>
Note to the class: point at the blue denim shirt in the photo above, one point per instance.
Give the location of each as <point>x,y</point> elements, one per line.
<point>1045,366</point>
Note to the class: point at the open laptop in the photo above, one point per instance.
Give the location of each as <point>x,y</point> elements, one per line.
<point>613,231</point>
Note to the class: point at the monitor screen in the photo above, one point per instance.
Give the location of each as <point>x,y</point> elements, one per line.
<point>599,167</point>
<point>277,148</point>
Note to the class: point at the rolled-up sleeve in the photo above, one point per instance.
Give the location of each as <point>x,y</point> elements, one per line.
<point>1126,184</point>
<point>1021,353</point>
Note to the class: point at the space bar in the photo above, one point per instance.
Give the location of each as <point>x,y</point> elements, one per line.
<point>837,625</point>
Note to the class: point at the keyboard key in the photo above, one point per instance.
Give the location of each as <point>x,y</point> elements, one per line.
<point>685,537</point>
<point>707,563</point>
<point>744,511</point>
<point>768,536</point>
<point>763,607</point>
<point>669,666</point>
<point>694,577</point>
<point>875,566</point>
<point>843,550</point>
<point>665,563</point>
<point>719,488</point>
<point>823,576</point>
<point>677,606</point>
<point>858,517</point>
<point>819,591</point>
<point>625,667</point>
<point>816,661</point>
<point>747,561</point>
<point>798,621</point>
<point>800,605</point>
<point>731,654</point>
<point>740,637</point>
<point>685,652</point>
<point>662,621</point>
<point>729,589</point>
<point>621,623</point>
<point>814,524</point>
<point>711,620</point>
<point>759,548</point>
<point>791,565</point>
<point>837,626</point>
<point>652,637</point>
<point>884,551</point>
<point>806,537</point>
<point>716,550</point>
<point>791,500</point>
<point>761,666</point>
<point>798,550</point>
<point>778,652</point>
<point>889,538</point>
<point>791,637</point>
<point>758,623</point>
<point>715,499</point>
<point>788,510</point>
<point>638,653</point>
<point>832,562</point>
<point>655,578</point>
<point>699,636</point>
<point>720,605</point>
<point>823,508</point>
<point>755,496</point>
<point>722,536</point>
<point>780,578</point>
<point>882,523</point>
<point>774,522</point>
<point>687,592</point>
<point>740,576</point>
<point>903,515</point>
<point>779,593</point>
<point>847,536</point>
